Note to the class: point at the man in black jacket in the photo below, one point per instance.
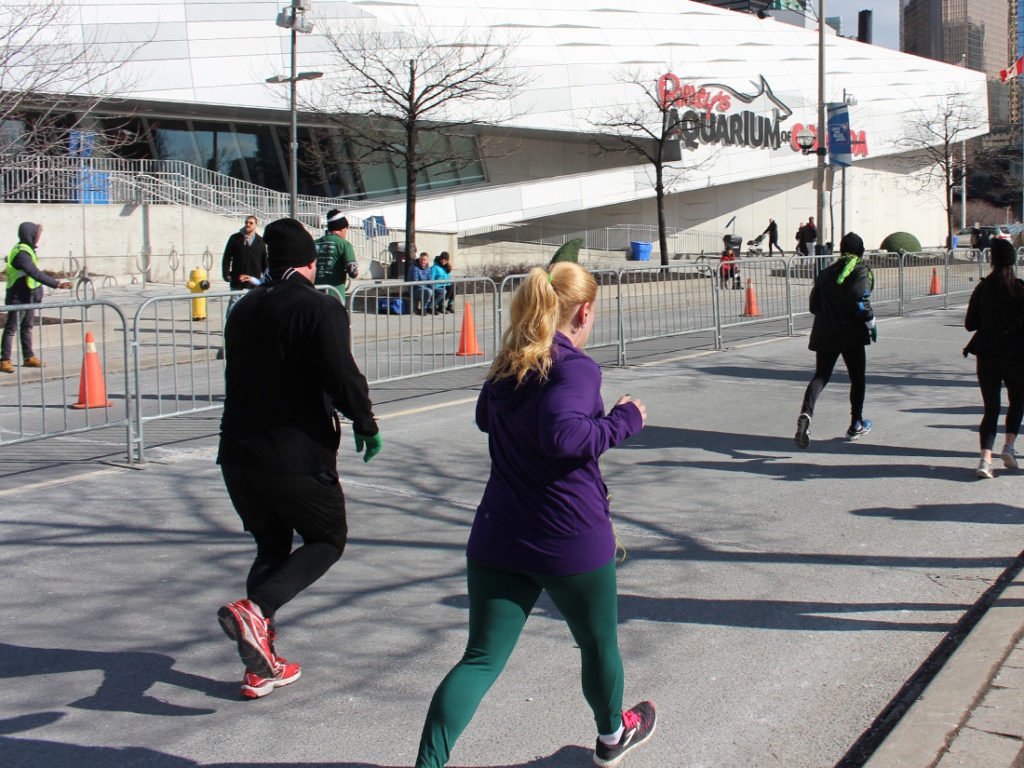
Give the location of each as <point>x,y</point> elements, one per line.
<point>772,230</point>
<point>25,283</point>
<point>844,324</point>
<point>289,371</point>
<point>245,257</point>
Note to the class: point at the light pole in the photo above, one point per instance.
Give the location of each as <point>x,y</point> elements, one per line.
<point>822,127</point>
<point>294,18</point>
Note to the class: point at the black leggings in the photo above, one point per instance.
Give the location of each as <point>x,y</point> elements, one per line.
<point>993,372</point>
<point>856,365</point>
<point>275,507</point>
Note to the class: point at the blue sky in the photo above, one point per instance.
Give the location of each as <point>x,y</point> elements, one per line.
<point>885,21</point>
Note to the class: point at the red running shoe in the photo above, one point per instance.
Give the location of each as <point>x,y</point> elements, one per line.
<point>243,623</point>
<point>638,725</point>
<point>254,686</point>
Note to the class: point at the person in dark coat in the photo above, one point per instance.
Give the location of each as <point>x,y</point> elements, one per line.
<point>844,324</point>
<point>996,315</point>
<point>543,524</point>
<point>772,230</point>
<point>25,281</point>
<point>245,257</point>
<point>289,372</point>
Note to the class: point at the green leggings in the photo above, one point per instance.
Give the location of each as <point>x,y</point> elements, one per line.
<point>499,604</point>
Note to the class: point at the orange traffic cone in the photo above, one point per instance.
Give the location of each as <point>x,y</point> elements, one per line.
<point>935,290</point>
<point>467,342</point>
<point>92,392</point>
<point>750,308</point>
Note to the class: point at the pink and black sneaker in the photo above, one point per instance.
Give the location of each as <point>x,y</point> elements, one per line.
<point>638,725</point>
<point>255,687</point>
<point>243,623</point>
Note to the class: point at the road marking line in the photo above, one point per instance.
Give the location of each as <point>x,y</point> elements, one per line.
<point>424,408</point>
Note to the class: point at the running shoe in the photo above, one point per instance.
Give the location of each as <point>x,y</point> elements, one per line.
<point>984,470</point>
<point>255,687</point>
<point>803,431</point>
<point>1009,458</point>
<point>858,428</point>
<point>243,623</point>
<point>638,725</point>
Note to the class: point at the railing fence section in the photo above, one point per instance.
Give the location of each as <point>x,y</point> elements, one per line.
<point>168,362</point>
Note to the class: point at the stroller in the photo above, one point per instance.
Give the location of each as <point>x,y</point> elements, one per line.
<point>754,246</point>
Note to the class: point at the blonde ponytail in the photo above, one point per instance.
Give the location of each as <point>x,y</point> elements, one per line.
<point>539,306</point>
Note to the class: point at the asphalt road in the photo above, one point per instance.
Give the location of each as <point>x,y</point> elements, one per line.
<point>773,600</point>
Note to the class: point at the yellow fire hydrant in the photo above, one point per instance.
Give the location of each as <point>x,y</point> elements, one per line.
<point>197,283</point>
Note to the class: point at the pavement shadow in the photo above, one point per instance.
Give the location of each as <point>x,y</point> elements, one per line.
<point>991,514</point>
<point>127,675</point>
<point>838,377</point>
<point>32,753</point>
<point>742,445</point>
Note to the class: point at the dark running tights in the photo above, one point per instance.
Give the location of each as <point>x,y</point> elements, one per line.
<point>993,372</point>
<point>856,364</point>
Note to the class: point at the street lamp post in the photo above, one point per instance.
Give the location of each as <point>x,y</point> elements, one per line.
<point>293,18</point>
<point>822,127</point>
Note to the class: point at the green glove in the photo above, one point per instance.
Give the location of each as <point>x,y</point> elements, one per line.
<point>372,443</point>
<point>874,335</point>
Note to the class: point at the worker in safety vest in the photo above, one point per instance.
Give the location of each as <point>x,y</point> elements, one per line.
<point>25,283</point>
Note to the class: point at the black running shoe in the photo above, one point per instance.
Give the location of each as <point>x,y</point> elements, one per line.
<point>638,725</point>
<point>803,431</point>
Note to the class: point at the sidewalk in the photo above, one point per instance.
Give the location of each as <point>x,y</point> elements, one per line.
<point>972,714</point>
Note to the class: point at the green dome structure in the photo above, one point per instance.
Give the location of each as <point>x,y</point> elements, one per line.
<point>900,241</point>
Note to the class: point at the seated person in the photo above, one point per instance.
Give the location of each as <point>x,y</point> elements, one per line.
<point>727,269</point>
<point>424,298</point>
<point>440,271</point>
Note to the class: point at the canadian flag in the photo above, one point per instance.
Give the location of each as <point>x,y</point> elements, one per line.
<point>1016,69</point>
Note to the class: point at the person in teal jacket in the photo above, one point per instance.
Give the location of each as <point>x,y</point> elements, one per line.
<point>440,271</point>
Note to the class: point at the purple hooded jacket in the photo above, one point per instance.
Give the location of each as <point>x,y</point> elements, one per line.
<point>545,507</point>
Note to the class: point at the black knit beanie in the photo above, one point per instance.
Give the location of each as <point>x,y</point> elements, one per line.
<point>851,244</point>
<point>1003,254</point>
<point>288,245</point>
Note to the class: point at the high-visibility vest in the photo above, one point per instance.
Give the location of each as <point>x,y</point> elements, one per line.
<point>14,274</point>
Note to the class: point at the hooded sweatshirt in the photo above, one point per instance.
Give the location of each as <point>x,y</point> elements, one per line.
<point>19,292</point>
<point>545,508</point>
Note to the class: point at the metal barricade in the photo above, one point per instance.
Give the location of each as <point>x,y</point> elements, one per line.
<point>398,332</point>
<point>177,351</point>
<point>663,301</point>
<point>759,295</point>
<point>964,268</point>
<point>607,326</point>
<point>67,397</point>
<point>922,274</point>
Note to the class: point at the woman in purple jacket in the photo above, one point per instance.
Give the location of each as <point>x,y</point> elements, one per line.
<point>543,523</point>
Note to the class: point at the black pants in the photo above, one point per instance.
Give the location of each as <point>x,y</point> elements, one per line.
<point>275,507</point>
<point>856,365</point>
<point>26,319</point>
<point>774,243</point>
<point>993,372</point>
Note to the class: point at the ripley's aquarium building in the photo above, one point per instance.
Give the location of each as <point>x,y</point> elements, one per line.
<point>743,87</point>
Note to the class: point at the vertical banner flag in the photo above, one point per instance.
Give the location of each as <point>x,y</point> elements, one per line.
<point>839,149</point>
<point>1013,71</point>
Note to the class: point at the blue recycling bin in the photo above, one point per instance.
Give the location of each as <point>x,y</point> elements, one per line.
<point>641,251</point>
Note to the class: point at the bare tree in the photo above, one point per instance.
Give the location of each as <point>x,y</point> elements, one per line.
<point>934,137</point>
<point>53,85</point>
<point>412,95</point>
<point>648,129</point>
